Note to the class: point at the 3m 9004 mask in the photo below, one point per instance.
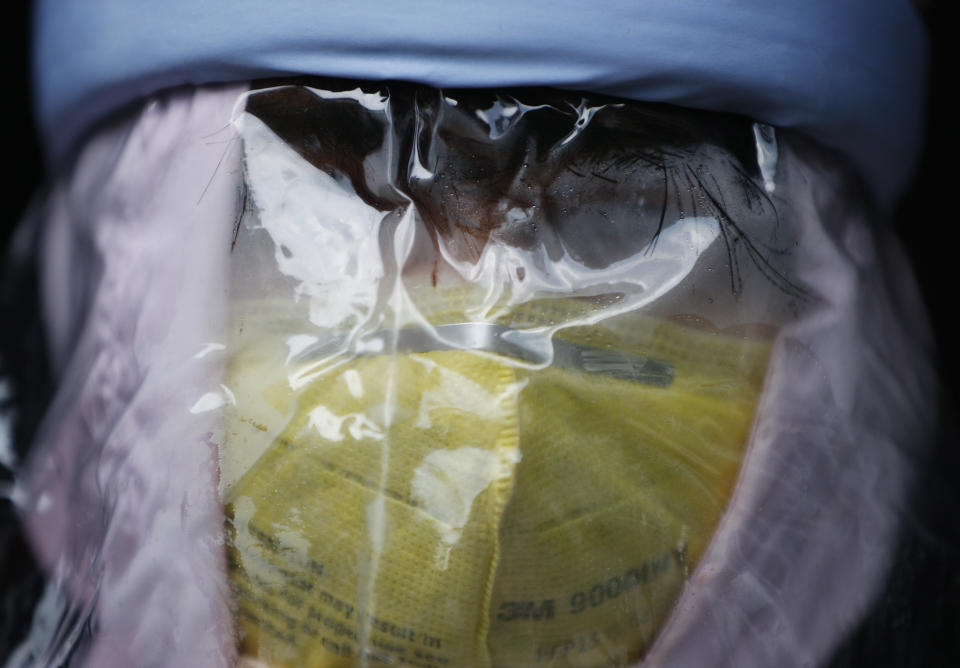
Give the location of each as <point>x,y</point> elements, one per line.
<point>495,367</point>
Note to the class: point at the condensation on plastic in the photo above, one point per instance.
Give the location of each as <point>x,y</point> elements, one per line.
<point>412,377</point>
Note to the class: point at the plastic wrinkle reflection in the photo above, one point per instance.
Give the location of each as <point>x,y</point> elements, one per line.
<point>638,281</point>
<point>326,238</point>
<point>446,484</point>
<point>208,349</point>
<point>331,426</point>
<point>641,279</point>
<point>766,141</point>
<point>211,401</point>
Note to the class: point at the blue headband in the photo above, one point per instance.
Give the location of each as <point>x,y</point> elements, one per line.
<point>848,73</point>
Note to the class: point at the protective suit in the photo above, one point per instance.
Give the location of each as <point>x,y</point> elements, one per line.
<point>397,374</point>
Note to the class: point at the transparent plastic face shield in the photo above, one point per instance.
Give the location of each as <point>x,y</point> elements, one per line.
<point>494,365</point>
<point>399,376</point>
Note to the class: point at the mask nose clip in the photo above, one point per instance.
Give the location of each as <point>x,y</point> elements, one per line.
<point>533,347</point>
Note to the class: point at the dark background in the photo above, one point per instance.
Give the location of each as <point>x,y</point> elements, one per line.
<point>916,622</point>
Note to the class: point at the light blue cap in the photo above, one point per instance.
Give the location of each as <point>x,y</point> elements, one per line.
<point>848,73</point>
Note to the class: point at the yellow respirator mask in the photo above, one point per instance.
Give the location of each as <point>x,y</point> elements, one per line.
<point>466,436</point>
<point>442,501</point>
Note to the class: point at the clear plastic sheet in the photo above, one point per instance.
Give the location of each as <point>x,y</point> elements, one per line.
<point>399,376</point>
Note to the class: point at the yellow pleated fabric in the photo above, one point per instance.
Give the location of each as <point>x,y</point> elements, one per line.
<point>454,508</point>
